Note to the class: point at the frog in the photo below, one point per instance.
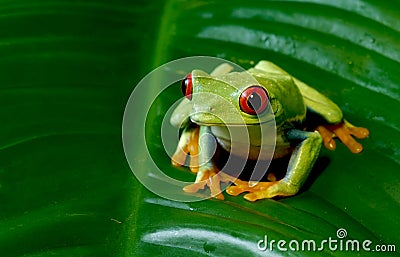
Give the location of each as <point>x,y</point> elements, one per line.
<point>217,103</point>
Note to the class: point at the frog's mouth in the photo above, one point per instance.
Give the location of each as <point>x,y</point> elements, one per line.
<point>208,119</point>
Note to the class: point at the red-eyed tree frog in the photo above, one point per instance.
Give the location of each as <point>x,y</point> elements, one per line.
<point>218,103</point>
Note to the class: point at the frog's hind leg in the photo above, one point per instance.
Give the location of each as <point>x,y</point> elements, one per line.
<point>222,69</point>
<point>321,105</point>
<point>318,103</point>
<point>270,67</point>
<point>336,126</point>
<point>344,131</point>
<point>314,100</point>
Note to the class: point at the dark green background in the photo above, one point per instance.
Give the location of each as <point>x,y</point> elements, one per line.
<point>67,69</point>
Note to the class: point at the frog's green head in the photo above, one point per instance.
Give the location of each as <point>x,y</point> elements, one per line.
<point>235,98</point>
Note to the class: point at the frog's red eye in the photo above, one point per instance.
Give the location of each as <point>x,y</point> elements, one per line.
<point>187,86</point>
<point>254,100</point>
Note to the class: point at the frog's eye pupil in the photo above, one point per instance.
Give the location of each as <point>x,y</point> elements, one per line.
<point>187,86</point>
<point>254,100</point>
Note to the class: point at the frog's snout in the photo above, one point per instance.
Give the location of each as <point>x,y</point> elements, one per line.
<point>203,109</point>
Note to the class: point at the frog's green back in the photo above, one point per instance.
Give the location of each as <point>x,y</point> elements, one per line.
<point>284,95</point>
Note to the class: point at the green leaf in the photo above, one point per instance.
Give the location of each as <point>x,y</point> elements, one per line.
<point>68,68</point>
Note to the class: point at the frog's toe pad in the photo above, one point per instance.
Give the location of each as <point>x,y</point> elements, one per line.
<point>345,131</point>
<point>327,137</point>
<point>252,197</point>
<point>359,132</point>
<point>235,190</point>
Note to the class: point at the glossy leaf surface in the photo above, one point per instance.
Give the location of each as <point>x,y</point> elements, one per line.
<point>68,68</point>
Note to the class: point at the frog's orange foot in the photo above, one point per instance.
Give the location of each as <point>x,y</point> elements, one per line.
<point>256,191</point>
<point>188,146</point>
<point>344,131</point>
<point>211,178</point>
<point>195,187</point>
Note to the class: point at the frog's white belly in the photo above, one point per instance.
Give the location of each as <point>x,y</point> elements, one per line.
<point>252,142</point>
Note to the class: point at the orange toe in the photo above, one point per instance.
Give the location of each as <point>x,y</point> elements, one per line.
<point>345,132</point>
<point>327,137</point>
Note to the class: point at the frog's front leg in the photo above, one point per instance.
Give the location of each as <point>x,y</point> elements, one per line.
<point>187,146</point>
<point>300,165</point>
<point>208,173</point>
